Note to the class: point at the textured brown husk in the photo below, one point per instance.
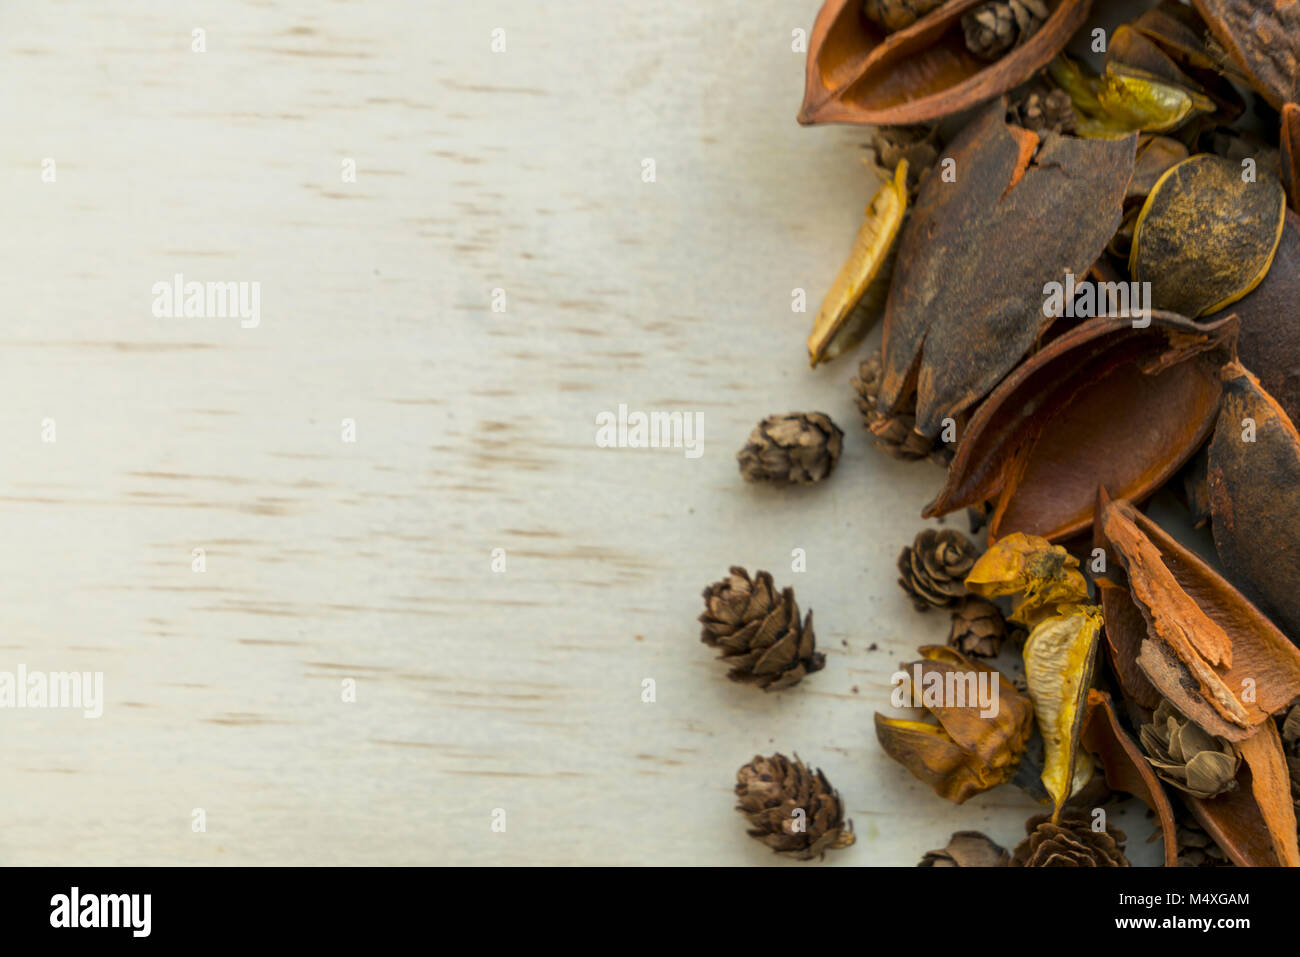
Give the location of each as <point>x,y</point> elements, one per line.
<point>966,300</point>
<point>1046,437</point>
<point>1125,768</point>
<point>1205,642</point>
<point>1255,825</point>
<point>1255,498</point>
<point>1269,341</point>
<point>1290,144</point>
<point>856,73</point>
<point>1263,38</point>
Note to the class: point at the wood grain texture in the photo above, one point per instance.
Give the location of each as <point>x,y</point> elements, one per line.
<point>475,430</point>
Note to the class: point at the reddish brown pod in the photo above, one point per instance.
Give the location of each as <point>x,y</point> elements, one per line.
<point>1262,37</point>
<point>1108,404</point>
<point>858,72</point>
<point>1254,481</point>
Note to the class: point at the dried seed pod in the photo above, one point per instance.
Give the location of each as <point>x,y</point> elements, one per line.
<point>1290,158</point>
<point>1263,39</point>
<point>1269,340</point>
<point>758,631</point>
<point>1046,437</point>
<point>791,808</point>
<point>1207,650</point>
<point>1045,578</point>
<point>965,752</point>
<point>800,448</point>
<point>967,849</point>
<point>1205,237</point>
<point>1254,481</point>
<point>997,230</point>
<point>863,280</point>
<point>859,73</point>
<point>931,570</point>
<point>1255,824</point>
<point>1069,841</point>
<point>978,627</point>
<point>1191,760</point>
<point>1124,767</point>
<point>1125,99</point>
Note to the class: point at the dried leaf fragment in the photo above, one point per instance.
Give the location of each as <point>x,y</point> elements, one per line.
<point>1045,577</point>
<point>866,265</point>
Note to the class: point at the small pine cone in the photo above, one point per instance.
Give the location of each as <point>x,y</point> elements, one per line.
<point>1195,847</point>
<point>794,449</point>
<point>935,567</point>
<point>771,790</point>
<point>758,631</point>
<point>967,849</point>
<point>919,145</point>
<point>1069,843</point>
<point>978,627</point>
<point>894,434</point>
<point>1043,111</point>
<point>896,14</point>
<point>995,27</point>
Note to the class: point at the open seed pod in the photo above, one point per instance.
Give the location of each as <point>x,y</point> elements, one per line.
<point>1205,237</point>
<point>1047,436</point>
<point>1207,650</point>
<point>858,73</point>
<point>1124,99</point>
<point>1263,39</point>
<point>1255,824</point>
<point>966,300</point>
<point>1254,481</point>
<point>1125,769</point>
<point>1269,340</point>
<point>962,752</point>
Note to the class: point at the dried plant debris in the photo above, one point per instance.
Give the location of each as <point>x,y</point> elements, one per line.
<point>995,227</point>
<point>1186,757</point>
<point>959,747</point>
<point>758,631</point>
<point>1069,841</point>
<point>1254,480</point>
<point>1262,37</point>
<point>978,627</point>
<point>996,26</point>
<point>799,448</point>
<point>967,849</point>
<point>791,808</point>
<point>893,433</point>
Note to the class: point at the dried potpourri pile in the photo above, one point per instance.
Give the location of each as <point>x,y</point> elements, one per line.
<point>1088,275</point>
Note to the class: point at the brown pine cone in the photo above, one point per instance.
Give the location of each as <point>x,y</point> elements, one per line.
<point>978,627</point>
<point>1195,847</point>
<point>919,145</point>
<point>758,631</point>
<point>935,567</point>
<point>967,849</point>
<point>995,27</point>
<point>791,808</point>
<point>894,434</point>
<point>1186,757</point>
<point>1044,110</point>
<point>896,14</point>
<point>1069,843</point>
<point>794,449</point>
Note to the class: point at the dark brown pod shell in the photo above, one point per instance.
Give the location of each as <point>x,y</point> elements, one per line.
<point>1263,38</point>
<point>1046,437</point>
<point>858,73</point>
<point>1289,138</point>
<point>1269,341</point>
<point>1255,823</point>
<point>1207,650</point>
<point>1125,768</point>
<point>1205,237</point>
<point>966,298</point>
<point>1254,483</point>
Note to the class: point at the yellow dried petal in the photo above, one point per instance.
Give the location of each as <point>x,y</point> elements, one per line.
<point>1059,656</point>
<point>863,280</point>
<point>1046,576</point>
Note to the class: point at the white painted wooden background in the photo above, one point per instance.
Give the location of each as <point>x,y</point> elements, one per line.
<point>475,431</point>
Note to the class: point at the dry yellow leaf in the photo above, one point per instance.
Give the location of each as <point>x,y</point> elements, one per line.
<point>865,268</point>
<point>1046,576</point>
